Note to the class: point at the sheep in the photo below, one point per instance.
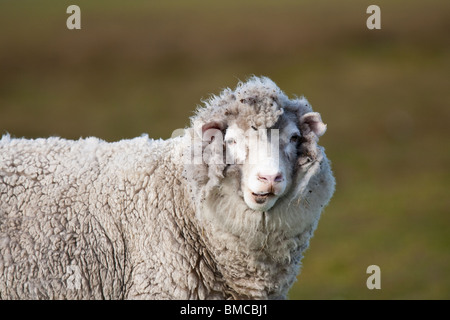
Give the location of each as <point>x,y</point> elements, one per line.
<point>203,215</point>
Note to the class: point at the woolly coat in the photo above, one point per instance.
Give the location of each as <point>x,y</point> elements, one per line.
<point>89,219</point>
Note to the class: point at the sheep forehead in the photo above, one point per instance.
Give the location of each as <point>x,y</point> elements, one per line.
<point>283,121</point>
<point>258,104</point>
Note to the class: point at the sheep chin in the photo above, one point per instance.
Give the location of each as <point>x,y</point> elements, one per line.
<point>259,202</point>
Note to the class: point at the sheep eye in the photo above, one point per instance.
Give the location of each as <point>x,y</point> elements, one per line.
<point>295,138</point>
<point>230,141</point>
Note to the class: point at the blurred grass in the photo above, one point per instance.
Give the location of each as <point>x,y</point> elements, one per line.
<point>144,66</point>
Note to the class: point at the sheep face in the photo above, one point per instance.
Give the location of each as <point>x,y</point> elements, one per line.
<point>265,158</point>
<point>252,150</point>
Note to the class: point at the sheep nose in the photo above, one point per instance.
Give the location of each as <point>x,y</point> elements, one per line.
<point>270,178</point>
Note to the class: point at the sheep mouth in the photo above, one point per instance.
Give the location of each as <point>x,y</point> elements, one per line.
<point>262,197</point>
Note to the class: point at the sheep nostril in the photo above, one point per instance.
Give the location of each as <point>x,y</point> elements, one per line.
<point>270,178</point>
<point>262,178</point>
<point>279,178</point>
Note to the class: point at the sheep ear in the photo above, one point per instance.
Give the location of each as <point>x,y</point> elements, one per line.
<point>312,122</point>
<point>212,131</point>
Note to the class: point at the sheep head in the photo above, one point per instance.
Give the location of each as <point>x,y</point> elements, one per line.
<point>254,144</point>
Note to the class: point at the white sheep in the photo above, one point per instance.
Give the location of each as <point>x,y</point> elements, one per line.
<point>206,215</point>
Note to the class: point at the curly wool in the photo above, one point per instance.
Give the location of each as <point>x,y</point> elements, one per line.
<point>106,209</point>
<point>131,219</point>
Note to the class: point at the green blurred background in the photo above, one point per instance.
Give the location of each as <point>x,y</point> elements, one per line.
<point>142,67</point>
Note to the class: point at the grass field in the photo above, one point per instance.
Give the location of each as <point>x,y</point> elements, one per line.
<point>143,67</point>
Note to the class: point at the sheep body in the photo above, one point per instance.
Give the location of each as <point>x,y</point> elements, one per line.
<point>84,204</point>
<point>89,219</point>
